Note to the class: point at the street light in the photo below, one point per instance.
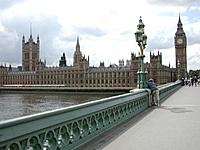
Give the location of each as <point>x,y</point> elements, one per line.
<point>141,39</point>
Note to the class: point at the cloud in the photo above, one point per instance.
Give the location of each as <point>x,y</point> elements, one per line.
<point>68,38</point>
<point>192,14</point>
<point>193,56</point>
<point>174,2</point>
<point>9,3</point>
<point>192,31</point>
<point>159,42</point>
<point>47,27</point>
<point>94,31</point>
<point>9,45</point>
<point>106,28</point>
<point>193,62</point>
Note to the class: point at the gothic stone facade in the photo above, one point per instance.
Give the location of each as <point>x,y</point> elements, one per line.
<point>30,54</point>
<point>82,75</point>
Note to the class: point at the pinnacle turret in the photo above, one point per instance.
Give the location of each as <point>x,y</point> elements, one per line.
<point>31,32</point>
<point>77,44</point>
<point>38,39</point>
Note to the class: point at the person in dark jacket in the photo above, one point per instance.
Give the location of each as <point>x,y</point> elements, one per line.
<point>154,92</point>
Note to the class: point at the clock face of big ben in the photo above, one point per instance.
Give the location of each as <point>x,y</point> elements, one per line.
<point>179,40</point>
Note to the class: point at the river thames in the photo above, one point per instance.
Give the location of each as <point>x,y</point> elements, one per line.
<point>14,105</point>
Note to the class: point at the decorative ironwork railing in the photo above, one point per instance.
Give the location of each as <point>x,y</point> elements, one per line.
<point>68,128</point>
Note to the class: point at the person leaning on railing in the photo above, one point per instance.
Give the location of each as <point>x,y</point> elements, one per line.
<point>153,93</point>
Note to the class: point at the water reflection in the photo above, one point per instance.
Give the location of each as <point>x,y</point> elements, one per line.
<point>16,105</point>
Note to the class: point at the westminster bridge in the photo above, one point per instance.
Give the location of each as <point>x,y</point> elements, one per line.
<point>119,122</point>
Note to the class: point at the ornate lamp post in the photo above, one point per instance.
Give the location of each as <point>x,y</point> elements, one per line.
<point>141,39</point>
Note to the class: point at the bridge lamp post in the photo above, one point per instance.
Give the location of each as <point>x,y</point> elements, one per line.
<point>141,39</point>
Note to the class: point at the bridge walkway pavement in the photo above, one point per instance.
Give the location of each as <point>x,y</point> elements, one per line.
<point>175,125</point>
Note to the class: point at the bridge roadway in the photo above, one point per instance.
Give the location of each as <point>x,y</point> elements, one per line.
<point>175,125</point>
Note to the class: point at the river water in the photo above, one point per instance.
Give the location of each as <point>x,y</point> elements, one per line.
<point>14,105</point>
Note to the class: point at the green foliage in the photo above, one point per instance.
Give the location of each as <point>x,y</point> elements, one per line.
<point>193,73</point>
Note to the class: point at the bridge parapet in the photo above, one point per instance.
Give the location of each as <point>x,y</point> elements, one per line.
<point>68,128</point>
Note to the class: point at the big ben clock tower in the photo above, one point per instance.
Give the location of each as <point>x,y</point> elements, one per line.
<point>180,41</point>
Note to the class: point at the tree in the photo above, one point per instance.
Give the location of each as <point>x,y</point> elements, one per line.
<point>193,73</point>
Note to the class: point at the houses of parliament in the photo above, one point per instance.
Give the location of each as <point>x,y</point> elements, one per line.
<point>81,74</point>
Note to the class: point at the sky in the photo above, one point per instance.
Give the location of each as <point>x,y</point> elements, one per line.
<point>106,29</point>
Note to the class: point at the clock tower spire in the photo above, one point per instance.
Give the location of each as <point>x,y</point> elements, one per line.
<point>179,25</point>
<point>180,42</point>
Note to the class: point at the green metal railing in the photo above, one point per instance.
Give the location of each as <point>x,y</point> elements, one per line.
<point>69,128</point>
<point>167,90</point>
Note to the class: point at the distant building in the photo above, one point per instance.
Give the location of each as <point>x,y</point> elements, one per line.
<point>3,74</point>
<point>80,74</point>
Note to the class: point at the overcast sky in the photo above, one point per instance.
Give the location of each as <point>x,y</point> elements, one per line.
<point>106,29</point>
